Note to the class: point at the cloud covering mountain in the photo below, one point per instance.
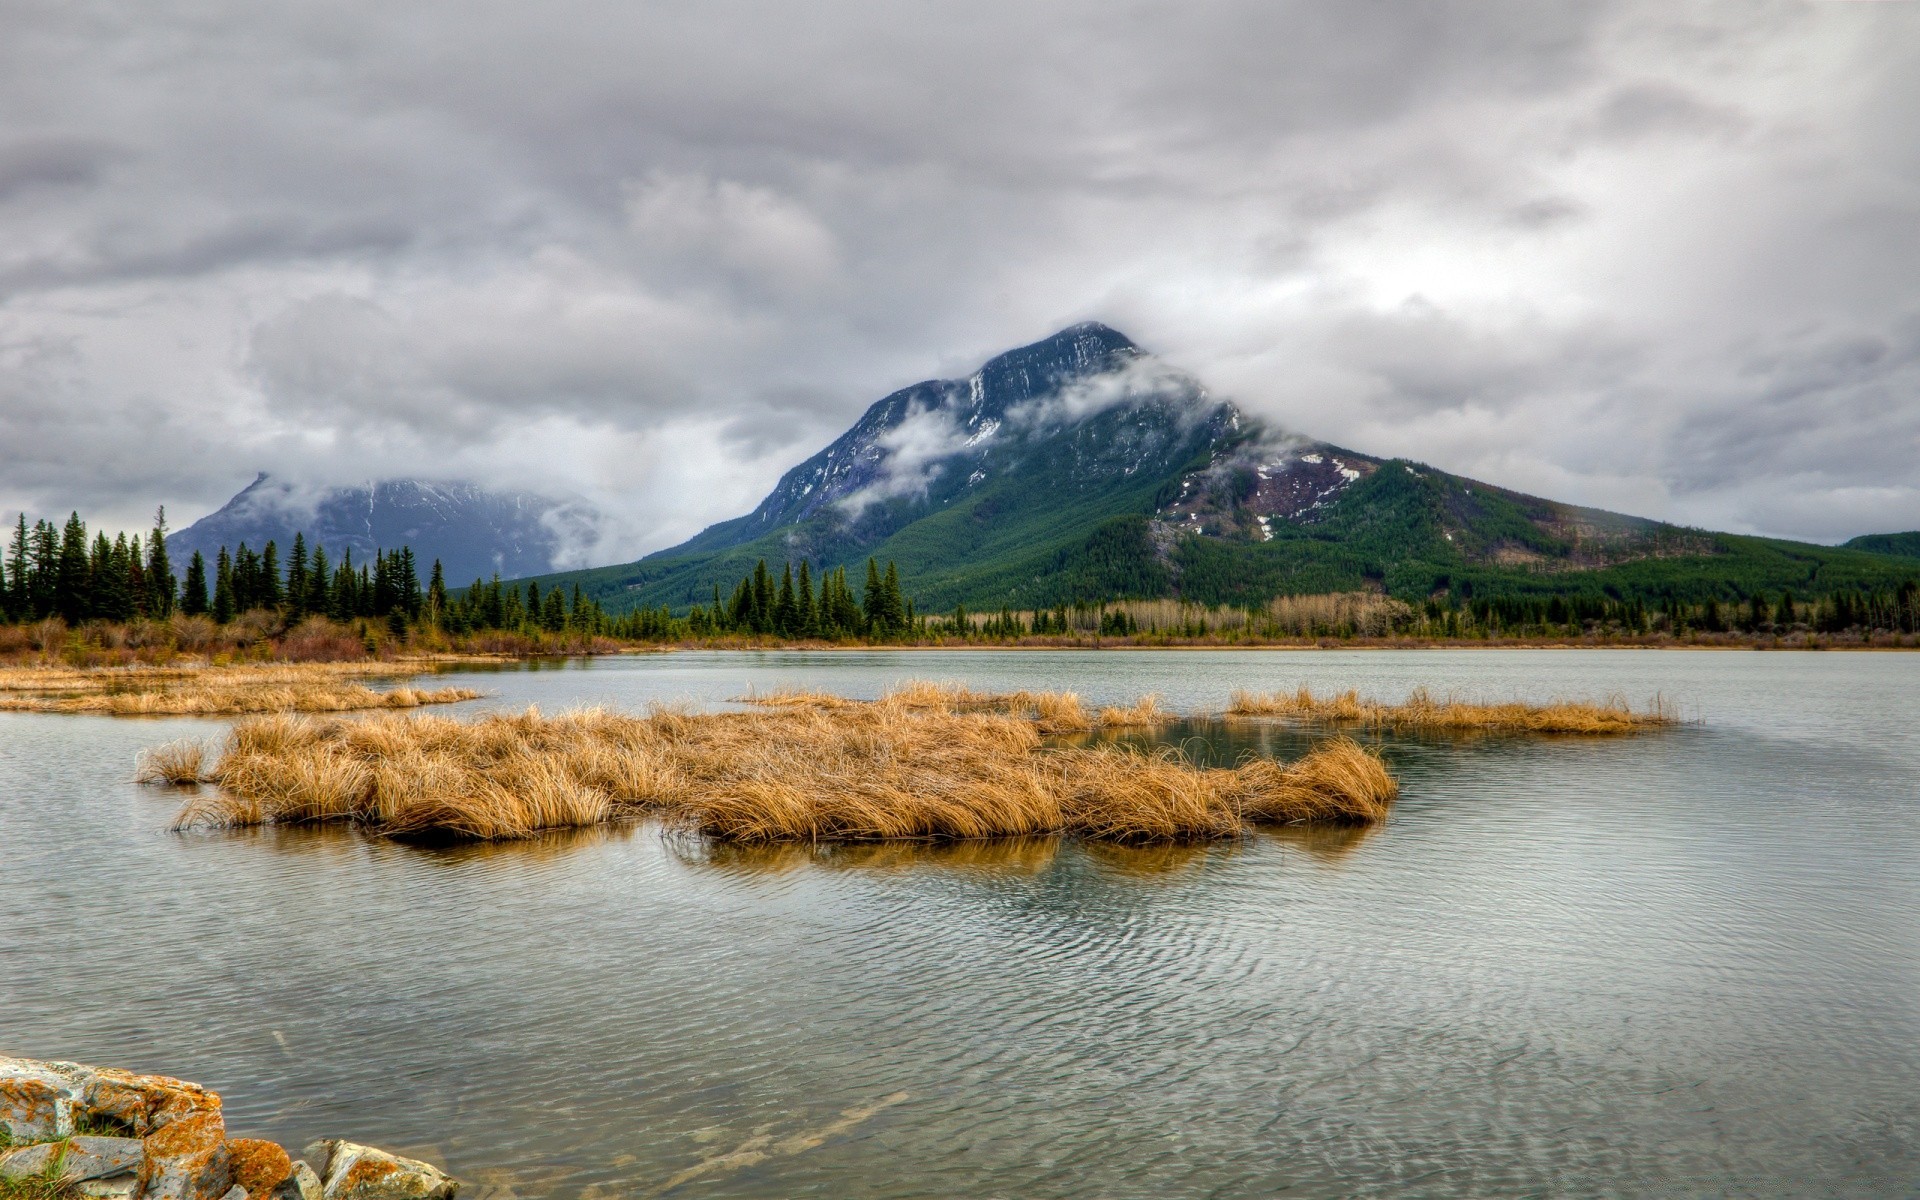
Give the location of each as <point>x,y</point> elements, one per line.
<point>1651,258</point>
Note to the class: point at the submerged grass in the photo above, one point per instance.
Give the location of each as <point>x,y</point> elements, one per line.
<point>925,764</point>
<point>1422,711</point>
<point>215,691</point>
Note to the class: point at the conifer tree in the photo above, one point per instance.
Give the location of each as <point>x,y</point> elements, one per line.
<point>407,582</point>
<point>138,602</point>
<point>762,598</point>
<point>582,612</point>
<point>873,602</point>
<point>808,622</point>
<point>223,603</point>
<point>786,608</point>
<point>436,594</point>
<point>160,580</point>
<point>71,579</point>
<point>297,578</point>
<point>893,608</point>
<point>193,597</point>
<point>268,583</point>
<point>318,581</point>
<point>44,585</point>
<point>19,600</point>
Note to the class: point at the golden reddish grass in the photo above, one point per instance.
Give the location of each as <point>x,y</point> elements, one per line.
<point>922,764</point>
<point>1422,711</point>
<point>214,691</point>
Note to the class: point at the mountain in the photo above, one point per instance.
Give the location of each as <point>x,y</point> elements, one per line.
<point>1081,467</point>
<point>472,531</point>
<point>1905,545</point>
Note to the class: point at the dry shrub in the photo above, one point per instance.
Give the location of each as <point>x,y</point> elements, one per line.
<point>193,634</point>
<point>317,639</point>
<point>1422,711</point>
<point>799,769</point>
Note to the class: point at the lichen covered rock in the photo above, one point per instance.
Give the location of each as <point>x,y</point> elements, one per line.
<point>187,1160</point>
<point>258,1166</point>
<point>36,1100</point>
<point>357,1172</point>
<point>101,1157</point>
<point>143,1103</point>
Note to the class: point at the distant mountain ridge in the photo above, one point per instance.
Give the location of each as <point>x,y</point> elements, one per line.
<point>474,532</point>
<point>1905,545</point>
<point>1082,467</point>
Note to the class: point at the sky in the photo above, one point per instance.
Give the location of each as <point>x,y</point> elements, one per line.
<point>1661,258</point>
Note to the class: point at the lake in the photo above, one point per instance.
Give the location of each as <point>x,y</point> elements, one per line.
<point>1687,963</point>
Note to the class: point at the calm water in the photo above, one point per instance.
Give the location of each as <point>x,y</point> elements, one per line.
<point>1687,965</point>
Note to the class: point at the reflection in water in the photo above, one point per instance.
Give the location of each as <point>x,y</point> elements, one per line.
<point>1328,843</point>
<point>1019,856</point>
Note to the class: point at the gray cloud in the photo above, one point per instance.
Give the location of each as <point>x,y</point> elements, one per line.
<point>1620,253</point>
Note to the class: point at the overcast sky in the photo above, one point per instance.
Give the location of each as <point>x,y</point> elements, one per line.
<point>1663,258</point>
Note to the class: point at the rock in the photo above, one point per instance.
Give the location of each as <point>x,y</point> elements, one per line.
<point>187,1160</point>
<point>144,1103</point>
<point>236,1192</point>
<point>302,1184</point>
<point>319,1154</point>
<point>36,1100</point>
<point>101,1157</point>
<point>356,1172</point>
<point>114,1187</point>
<point>28,1161</point>
<point>258,1166</point>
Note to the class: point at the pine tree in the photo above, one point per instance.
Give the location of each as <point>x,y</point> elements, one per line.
<point>297,578</point>
<point>808,622</point>
<point>762,598</point>
<point>873,603</point>
<point>582,612</point>
<point>160,580</point>
<point>139,604</point>
<point>44,587</point>
<point>223,603</point>
<point>786,608</point>
<point>318,580</point>
<point>70,588</point>
<point>407,582</point>
<point>193,598</point>
<point>436,594</point>
<point>893,608</point>
<point>19,598</point>
<point>342,603</point>
<point>269,580</point>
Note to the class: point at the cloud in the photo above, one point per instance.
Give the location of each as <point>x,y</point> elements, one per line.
<point>1625,253</point>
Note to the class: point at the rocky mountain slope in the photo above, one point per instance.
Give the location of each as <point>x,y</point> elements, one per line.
<point>1081,467</point>
<point>472,531</point>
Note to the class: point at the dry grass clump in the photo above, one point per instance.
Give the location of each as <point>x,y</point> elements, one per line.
<point>1050,712</point>
<point>1145,713</point>
<point>1422,711</point>
<point>212,691</point>
<point>906,767</point>
<point>177,763</point>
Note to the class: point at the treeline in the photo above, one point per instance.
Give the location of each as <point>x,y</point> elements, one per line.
<point>758,606</point>
<point>61,571</point>
<point>1885,610</point>
<point>53,571</point>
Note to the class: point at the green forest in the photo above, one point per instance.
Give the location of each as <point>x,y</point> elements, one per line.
<point>67,573</point>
